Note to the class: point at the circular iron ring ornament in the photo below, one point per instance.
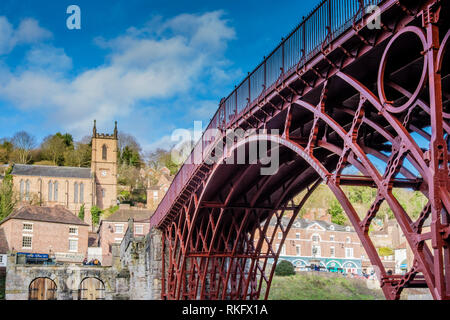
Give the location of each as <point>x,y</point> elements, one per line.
<point>440,60</point>
<point>380,84</point>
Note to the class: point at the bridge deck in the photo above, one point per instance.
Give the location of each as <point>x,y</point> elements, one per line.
<point>340,92</point>
<point>327,28</point>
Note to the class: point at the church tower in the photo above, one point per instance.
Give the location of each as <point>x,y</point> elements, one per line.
<point>104,167</point>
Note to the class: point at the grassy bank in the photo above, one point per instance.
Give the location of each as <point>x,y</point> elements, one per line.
<point>321,287</point>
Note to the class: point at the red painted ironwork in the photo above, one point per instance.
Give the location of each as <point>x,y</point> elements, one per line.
<point>341,94</point>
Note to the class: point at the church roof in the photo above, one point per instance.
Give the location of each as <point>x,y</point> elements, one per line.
<point>56,214</point>
<point>51,171</point>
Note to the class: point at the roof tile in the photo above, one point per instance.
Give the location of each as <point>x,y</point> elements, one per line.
<point>51,171</point>
<point>56,214</point>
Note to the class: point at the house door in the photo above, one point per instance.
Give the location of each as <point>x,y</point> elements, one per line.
<point>42,289</point>
<point>92,289</point>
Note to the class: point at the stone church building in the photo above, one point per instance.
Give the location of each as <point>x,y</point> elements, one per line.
<point>72,187</point>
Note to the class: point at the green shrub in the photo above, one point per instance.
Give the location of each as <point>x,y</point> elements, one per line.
<point>95,213</point>
<point>8,197</point>
<point>108,212</point>
<point>284,268</point>
<point>81,212</point>
<point>113,209</point>
<point>337,213</point>
<point>124,196</point>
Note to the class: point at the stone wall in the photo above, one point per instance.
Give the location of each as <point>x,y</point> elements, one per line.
<point>141,257</point>
<point>135,272</point>
<point>67,279</point>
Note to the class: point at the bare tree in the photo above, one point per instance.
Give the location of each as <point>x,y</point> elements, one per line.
<point>127,140</point>
<point>23,143</point>
<point>86,140</point>
<point>53,149</point>
<point>80,156</point>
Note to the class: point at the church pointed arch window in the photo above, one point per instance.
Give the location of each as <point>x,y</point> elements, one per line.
<point>22,186</point>
<point>27,190</point>
<point>75,192</point>
<point>81,192</point>
<point>55,193</point>
<point>104,152</point>
<point>50,191</point>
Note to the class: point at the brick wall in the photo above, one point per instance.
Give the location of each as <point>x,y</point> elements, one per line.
<point>46,236</point>
<point>108,235</point>
<point>304,238</point>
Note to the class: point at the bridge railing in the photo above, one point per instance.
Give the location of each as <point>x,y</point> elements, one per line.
<point>325,23</point>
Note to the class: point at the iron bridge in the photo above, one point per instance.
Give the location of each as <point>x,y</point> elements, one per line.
<point>341,93</point>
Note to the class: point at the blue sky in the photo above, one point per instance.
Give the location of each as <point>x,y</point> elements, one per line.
<point>154,66</point>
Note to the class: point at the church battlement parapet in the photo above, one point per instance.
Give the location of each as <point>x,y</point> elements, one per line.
<point>105,136</point>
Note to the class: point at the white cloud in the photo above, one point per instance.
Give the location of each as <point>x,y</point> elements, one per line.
<point>208,31</point>
<point>143,64</point>
<point>48,58</point>
<point>165,143</point>
<point>28,32</point>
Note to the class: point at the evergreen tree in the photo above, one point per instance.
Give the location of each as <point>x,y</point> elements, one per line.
<point>8,198</point>
<point>95,213</point>
<point>284,268</point>
<point>81,212</point>
<point>337,213</point>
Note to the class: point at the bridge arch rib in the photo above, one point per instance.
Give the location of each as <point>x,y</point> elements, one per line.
<point>226,228</point>
<point>223,243</point>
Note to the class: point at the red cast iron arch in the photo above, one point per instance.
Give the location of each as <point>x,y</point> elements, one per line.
<point>219,233</point>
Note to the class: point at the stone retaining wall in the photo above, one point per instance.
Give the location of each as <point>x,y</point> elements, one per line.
<point>135,274</point>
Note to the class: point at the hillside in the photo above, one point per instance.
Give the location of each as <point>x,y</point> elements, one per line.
<point>308,286</point>
<point>362,199</point>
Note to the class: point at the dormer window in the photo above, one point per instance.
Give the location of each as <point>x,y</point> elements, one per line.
<point>332,228</point>
<point>347,229</point>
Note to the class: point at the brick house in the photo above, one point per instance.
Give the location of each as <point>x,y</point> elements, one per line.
<point>333,247</point>
<point>155,193</point>
<point>3,251</point>
<point>112,229</point>
<point>55,231</point>
<point>387,235</point>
